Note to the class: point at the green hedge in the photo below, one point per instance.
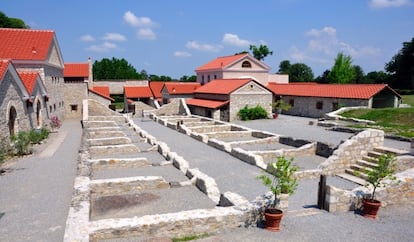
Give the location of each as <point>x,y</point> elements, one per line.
<point>247,113</point>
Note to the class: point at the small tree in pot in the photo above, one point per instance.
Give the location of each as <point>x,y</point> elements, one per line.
<point>282,180</point>
<point>384,170</point>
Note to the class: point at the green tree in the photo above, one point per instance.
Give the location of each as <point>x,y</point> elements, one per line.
<point>300,72</point>
<point>284,67</point>
<point>144,75</point>
<point>7,22</point>
<point>401,67</point>
<point>185,78</point>
<point>376,77</point>
<point>260,52</point>
<point>323,79</point>
<point>342,71</point>
<point>114,69</point>
<point>359,74</point>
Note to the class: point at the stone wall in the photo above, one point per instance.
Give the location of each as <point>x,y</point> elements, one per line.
<point>74,95</point>
<point>352,150</point>
<point>242,98</point>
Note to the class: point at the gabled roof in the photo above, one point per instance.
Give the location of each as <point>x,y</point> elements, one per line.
<point>156,88</point>
<point>29,80</point>
<point>137,92</point>
<point>76,70</point>
<point>206,103</point>
<point>220,62</point>
<point>7,66</point>
<point>25,44</point>
<point>181,87</point>
<point>222,86</point>
<point>356,91</point>
<point>103,90</point>
<point>4,64</point>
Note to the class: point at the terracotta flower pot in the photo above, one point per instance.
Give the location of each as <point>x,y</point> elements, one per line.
<point>273,217</point>
<point>370,208</point>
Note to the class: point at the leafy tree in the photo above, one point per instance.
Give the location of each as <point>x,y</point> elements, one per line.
<point>300,72</point>
<point>359,74</point>
<point>192,78</point>
<point>323,78</point>
<point>376,77</point>
<point>156,78</point>
<point>144,74</point>
<point>114,69</point>
<point>401,67</point>
<point>342,71</point>
<point>260,52</point>
<point>284,67</point>
<point>7,22</point>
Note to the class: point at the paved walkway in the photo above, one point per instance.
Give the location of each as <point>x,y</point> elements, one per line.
<point>36,192</point>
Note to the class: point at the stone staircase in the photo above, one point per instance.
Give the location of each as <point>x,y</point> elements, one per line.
<point>357,172</point>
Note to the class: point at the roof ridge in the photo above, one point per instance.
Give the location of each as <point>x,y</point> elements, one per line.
<point>28,30</point>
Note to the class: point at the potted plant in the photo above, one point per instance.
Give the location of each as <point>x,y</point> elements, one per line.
<point>280,105</point>
<point>280,180</point>
<point>384,170</point>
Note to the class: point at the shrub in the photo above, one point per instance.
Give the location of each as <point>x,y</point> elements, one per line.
<point>5,149</point>
<point>37,135</point>
<point>22,143</point>
<point>247,113</point>
<point>55,122</point>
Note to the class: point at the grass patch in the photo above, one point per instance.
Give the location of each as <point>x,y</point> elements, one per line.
<point>397,121</point>
<point>190,237</point>
<point>408,99</point>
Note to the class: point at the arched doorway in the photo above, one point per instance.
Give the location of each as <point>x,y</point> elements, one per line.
<point>12,120</point>
<point>38,116</point>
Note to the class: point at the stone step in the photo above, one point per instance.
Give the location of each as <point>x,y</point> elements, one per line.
<point>374,154</point>
<point>356,173</point>
<point>389,150</point>
<point>366,163</point>
<point>360,168</point>
<point>370,159</point>
<point>352,178</point>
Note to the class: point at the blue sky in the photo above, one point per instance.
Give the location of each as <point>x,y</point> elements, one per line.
<point>174,37</point>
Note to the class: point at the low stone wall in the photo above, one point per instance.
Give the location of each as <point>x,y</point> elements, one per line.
<point>113,149</point>
<point>397,192</point>
<point>109,141</point>
<point>113,163</point>
<point>352,150</point>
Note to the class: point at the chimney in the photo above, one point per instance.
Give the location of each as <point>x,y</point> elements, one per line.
<point>90,76</point>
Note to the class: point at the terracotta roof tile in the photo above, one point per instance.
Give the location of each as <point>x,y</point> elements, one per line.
<point>76,70</point>
<point>4,64</point>
<point>137,92</point>
<point>357,91</point>
<point>29,80</point>
<point>25,44</point>
<point>206,103</point>
<point>181,88</point>
<point>222,86</point>
<point>220,62</point>
<point>103,90</point>
<point>156,88</point>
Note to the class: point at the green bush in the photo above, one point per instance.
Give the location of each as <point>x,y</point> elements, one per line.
<point>37,135</point>
<point>247,113</point>
<point>5,149</point>
<point>22,143</point>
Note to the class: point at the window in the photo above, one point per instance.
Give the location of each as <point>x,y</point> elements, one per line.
<point>73,108</point>
<point>246,64</point>
<point>319,105</point>
<point>335,106</point>
<point>292,102</point>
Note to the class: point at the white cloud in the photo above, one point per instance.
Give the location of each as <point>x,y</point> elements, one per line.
<point>114,37</point>
<point>388,3</point>
<point>135,21</point>
<point>105,47</point>
<point>233,39</point>
<point>323,45</point>
<point>203,47</point>
<point>87,38</point>
<point>146,33</point>
<point>182,54</point>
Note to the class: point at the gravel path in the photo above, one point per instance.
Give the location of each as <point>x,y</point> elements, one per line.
<point>36,193</point>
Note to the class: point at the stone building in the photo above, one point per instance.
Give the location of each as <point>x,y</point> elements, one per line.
<point>172,90</point>
<point>314,100</point>
<point>37,50</point>
<point>222,99</point>
<point>238,66</point>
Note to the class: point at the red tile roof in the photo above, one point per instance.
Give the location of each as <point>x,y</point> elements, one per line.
<point>4,64</point>
<point>220,62</point>
<point>76,70</point>
<point>25,44</point>
<point>181,87</point>
<point>357,91</point>
<point>99,93</point>
<point>29,80</point>
<point>156,88</point>
<point>206,103</point>
<point>103,90</point>
<point>222,86</point>
<point>137,92</point>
